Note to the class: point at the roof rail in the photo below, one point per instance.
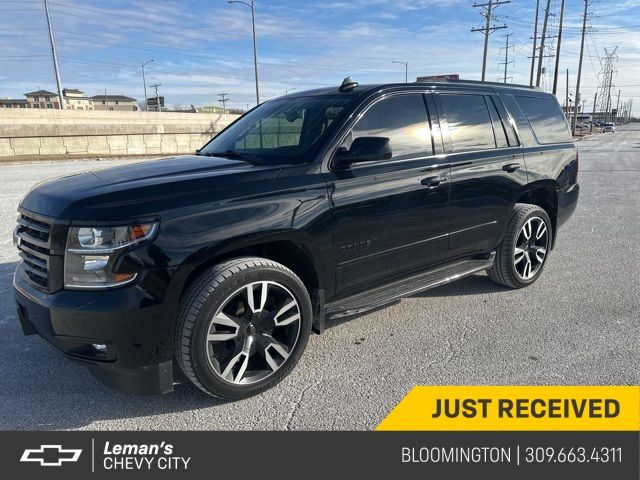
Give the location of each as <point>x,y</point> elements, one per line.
<point>480,82</point>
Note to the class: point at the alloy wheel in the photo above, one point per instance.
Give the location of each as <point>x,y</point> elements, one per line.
<point>531,248</point>
<point>253,332</point>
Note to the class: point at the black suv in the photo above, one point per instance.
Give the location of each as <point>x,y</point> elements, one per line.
<point>312,206</point>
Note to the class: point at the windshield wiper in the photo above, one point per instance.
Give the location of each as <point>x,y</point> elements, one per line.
<point>230,154</point>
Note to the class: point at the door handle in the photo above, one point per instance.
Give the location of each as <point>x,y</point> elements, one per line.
<point>433,182</point>
<point>511,167</point>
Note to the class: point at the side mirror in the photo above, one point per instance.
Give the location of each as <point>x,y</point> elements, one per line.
<point>364,149</point>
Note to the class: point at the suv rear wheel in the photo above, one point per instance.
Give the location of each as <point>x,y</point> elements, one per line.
<point>242,327</point>
<point>523,252</point>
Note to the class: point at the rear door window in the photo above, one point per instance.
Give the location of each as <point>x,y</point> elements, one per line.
<point>469,122</point>
<point>546,119</point>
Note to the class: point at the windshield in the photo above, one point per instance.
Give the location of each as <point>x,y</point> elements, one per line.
<point>280,131</point>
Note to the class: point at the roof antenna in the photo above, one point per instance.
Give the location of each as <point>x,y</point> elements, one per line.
<point>348,84</point>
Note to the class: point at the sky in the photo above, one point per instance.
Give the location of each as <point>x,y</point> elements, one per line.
<point>201,48</point>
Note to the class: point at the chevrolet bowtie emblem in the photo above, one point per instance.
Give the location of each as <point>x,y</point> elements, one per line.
<point>50,455</point>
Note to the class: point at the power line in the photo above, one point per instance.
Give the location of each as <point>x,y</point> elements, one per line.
<point>199,54</point>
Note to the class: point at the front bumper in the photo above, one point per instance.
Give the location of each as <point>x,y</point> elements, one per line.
<point>124,335</point>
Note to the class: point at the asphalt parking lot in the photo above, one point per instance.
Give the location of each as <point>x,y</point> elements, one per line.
<point>578,325</point>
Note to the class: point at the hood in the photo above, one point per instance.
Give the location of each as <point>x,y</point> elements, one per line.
<point>146,188</point>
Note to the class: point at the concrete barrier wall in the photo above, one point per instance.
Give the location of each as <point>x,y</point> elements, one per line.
<point>42,133</point>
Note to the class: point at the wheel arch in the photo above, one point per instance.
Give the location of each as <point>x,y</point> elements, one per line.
<point>544,194</point>
<point>289,249</point>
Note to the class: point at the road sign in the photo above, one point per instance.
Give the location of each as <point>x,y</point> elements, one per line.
<point>153,103</point>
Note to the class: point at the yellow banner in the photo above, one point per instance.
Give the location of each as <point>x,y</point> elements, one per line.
<point>615,408</point>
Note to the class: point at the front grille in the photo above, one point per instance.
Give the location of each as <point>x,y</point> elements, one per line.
<point>34,243</point>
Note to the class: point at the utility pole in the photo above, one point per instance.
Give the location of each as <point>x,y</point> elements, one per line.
<point>542,40</point>
<point>54,55</point>
<point>488,29</point>
<point>555,71</point>
<point>566,98</point>
<point>506,56</point>
<point>618,104</point>
<point>155,87</point>
<point>593,112</point>
<point>223,98</point>
<point>535,41</point>
<point>584,32</point>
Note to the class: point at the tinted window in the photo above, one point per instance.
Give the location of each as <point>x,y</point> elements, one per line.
<point>402,119</point>
<point>546,119</point>
<point>469,122</point>
<point>280,131</point>
<point>524,130</point>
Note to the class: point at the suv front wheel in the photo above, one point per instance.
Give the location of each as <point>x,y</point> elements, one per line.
<point>242,327</point>
<point>523,252</point>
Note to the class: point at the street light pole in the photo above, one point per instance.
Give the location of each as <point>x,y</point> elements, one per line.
<point>144,83</point>
<point>255,53</point>
<point>54,55</point>
<point>406,69</point>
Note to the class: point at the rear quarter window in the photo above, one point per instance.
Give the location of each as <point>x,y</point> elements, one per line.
<point>546,119</point>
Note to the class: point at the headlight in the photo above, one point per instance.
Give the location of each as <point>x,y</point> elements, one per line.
<point>92,252</point>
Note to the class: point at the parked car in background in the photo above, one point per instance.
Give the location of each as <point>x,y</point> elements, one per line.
<point>312,206</point>
<point>608,128</point>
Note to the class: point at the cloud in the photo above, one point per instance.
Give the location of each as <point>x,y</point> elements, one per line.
<point>201,47</point>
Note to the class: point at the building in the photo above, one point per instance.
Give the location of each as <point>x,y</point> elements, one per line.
<point>114,102</point>
<point>13,103</point>
<point>75,99</point>
<point>42,99</point>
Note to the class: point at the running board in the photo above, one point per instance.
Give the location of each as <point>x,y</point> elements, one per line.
<point>379,296</point>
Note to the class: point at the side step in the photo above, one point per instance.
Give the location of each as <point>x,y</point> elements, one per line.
<point>384,294</point>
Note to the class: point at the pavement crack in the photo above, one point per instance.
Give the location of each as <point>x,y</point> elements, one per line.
<point>298,402</point>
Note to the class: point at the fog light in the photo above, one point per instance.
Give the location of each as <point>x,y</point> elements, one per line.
<point>95,262</point>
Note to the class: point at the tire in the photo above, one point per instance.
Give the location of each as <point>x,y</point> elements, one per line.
<point>516,250</point>
<point>232,339</point>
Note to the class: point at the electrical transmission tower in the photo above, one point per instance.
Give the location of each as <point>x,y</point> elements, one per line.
<point>607,73</point>
<point>488,28</point>
<point>223,98</point>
